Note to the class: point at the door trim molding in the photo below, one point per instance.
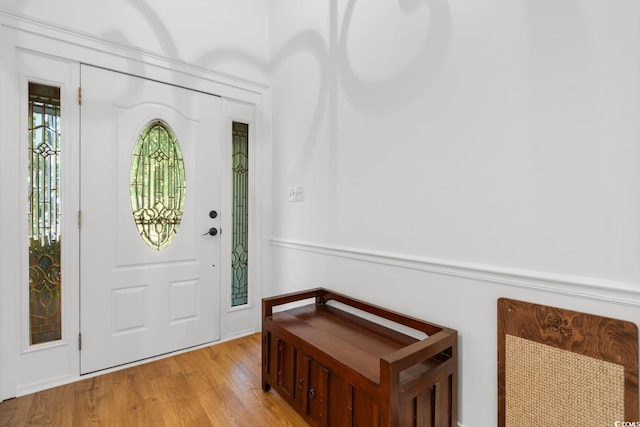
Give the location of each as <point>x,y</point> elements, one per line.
<point>19,32</point>
<point>84,41</point>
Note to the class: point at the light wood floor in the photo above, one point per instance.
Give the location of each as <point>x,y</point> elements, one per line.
<point>215,386</point>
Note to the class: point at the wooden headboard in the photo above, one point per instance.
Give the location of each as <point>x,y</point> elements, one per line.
<point>561,367</point>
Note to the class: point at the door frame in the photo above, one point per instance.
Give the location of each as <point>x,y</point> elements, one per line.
<point>242,100</point>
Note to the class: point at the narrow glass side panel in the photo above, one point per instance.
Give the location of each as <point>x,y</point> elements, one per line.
<point>44,211</point>
<point>240,214</point>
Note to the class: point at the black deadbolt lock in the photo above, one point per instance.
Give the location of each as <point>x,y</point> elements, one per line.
<point>213,214</point>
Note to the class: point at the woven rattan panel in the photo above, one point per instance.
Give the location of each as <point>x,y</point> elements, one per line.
<point>547,386</point>
<point>560,367</point>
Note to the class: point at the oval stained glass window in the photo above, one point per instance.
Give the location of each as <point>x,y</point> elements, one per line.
<point>157,185</point>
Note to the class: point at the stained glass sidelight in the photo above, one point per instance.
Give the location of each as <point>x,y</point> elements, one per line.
<point>240,214</point>
<point>44,213</point>
<point>157,185</point>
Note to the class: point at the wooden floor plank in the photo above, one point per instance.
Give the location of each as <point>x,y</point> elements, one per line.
<point>218,385</point>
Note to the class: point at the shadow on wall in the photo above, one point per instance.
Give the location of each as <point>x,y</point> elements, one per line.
<point>161,32</point>
<point>427,26</point>
<point>373,97</point>
<point>332,55</point>
<point>402,83</point>
<point>407,83</point>
<point>399,88</point>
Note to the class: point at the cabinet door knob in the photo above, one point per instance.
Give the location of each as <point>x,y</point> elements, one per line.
<point>312,393</point>
<point>300,383</point>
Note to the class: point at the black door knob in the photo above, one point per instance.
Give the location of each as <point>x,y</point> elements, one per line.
<point>213,231</point>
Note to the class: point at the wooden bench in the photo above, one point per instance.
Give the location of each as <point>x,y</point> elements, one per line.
<point>337,368</point>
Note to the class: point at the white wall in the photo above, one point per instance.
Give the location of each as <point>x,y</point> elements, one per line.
<point>451,152</point>
<point>454,152</point>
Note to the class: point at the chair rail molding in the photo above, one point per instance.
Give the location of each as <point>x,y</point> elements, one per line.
<point>612,291</point>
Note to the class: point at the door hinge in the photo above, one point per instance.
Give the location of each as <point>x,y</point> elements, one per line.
<point>79,95</point>
<point>79,219</point>
<point>79,341</point>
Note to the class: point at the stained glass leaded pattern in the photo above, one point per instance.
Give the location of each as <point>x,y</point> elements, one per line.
<point>44,214</point>
<point>157,185</point>
<point>240,214</point>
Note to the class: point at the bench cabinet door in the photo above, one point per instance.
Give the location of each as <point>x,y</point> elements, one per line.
<point>312,394</point>
<point>279,366</point>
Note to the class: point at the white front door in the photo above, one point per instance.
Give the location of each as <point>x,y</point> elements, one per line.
<point>140,298</point>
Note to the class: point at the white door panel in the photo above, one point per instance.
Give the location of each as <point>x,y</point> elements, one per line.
<point>136,301</point>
